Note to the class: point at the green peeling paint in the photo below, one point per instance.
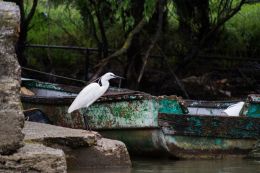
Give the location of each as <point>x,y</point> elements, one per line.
<point>253,110</point>
<point>42,85</point>
<point>211,126</point>
<point>123,114</point>
<point>170,106</point>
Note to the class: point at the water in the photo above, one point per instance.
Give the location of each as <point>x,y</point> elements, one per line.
<point>186,166</point>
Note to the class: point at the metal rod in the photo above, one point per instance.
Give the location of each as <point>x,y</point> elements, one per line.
<point>86,64</point>
<point>50,74</point>
<point>65,47</point>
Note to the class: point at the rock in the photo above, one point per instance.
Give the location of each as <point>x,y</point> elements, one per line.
<point>106,153</point>
<point>11,116</point>
<point>82,148</point>
<point>50,135</point>
<point>33,158</point>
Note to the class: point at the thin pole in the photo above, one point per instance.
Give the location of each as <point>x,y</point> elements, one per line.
<point>54,75</point>
<point>86,53</point>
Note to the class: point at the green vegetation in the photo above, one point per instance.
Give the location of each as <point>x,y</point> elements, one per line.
<point>187,34</point>
<point>242,33</point>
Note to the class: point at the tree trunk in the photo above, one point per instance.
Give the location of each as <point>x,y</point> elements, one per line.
<point>24,28</point>
<point>134,58</point>
<point>20,45</point>
<point>134,63</point>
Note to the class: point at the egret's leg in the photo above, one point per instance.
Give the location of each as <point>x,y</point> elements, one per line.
<point>85,117</point>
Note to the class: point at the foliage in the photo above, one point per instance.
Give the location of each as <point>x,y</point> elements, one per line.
<point>149,8</point>
<point>108,22</point>
<point>242,33</point>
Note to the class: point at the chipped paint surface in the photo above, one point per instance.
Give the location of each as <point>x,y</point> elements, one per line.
<point>253,110</point>
<point>253,106</point>
<point>141,113</point>
<point>170,106</point>
<point>43,85</point>
<point>132,113</point>
<point>195,136</point>
<point>210,126</point>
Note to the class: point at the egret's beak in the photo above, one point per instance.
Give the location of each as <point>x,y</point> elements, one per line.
<point>119,77</point>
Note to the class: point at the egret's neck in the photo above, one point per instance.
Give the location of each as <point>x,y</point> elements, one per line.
<point>104,82</point>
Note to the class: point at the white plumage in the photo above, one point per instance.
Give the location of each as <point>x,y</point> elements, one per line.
<point>235,109</point>
<point>91,93</point>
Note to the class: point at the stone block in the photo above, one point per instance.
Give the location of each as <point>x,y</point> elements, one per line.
<point>11,116</point>
<point>83,149</point>
<point>107,153</point>
<point>34,158</point>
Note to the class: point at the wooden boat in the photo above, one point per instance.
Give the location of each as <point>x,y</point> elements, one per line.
<point>154,125</point>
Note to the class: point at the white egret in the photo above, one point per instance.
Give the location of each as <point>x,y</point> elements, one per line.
<point>235,109</point>
<point>91,93</point>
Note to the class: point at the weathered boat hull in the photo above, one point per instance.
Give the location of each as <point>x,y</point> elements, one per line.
<point>156,125</point>
<point>195,136</point>
<point>140,142</point>
<point>189,147</point>
<point>132,119</point>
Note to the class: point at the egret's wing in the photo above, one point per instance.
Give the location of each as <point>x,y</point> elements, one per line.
<point>86,97</point>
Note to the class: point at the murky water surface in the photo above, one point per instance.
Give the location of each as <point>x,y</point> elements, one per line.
<point>187,166</point>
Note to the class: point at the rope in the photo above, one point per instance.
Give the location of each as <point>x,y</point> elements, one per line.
<point>58,76</point>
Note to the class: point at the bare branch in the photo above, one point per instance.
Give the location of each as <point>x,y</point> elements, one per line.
<point>220,22</point>
<point>31,13</point>
<point>161,4</point>
<point>122,50</point>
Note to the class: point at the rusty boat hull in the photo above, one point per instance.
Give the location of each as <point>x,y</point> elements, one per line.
<point>128,116</point>
<point>204,136</point>
<point>205,132</point>
<point>151,125</point>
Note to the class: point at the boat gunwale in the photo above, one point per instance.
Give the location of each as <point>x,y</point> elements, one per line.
<point>128,128</point>
<point>69,99</point>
